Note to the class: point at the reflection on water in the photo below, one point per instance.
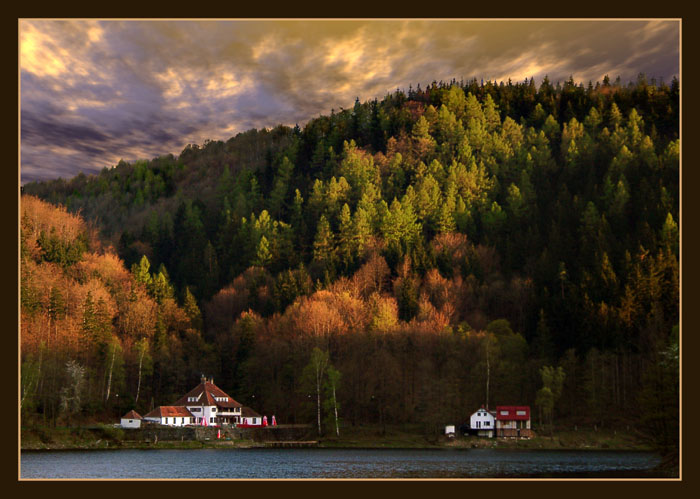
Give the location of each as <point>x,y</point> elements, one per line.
<point>334,463</point>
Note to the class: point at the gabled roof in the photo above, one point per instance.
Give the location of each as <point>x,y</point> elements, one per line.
<point>490,413</point>
<point>206,393</point>
<point>132,414</point>
<point>169,411</point>
<point>513,412</point>
<point>247,412</point>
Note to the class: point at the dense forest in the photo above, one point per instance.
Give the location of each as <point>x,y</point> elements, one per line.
<point>442,248</point>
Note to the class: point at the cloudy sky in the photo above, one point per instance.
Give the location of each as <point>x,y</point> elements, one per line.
<point>94,92</point>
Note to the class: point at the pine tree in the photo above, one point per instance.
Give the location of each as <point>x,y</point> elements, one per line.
<point>324,243</point>
<point>263,257</point>
<point>192,310</point>
<point>141,272</point>
<point>346,251</point>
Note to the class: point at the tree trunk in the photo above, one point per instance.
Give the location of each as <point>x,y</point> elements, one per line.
<point>109,377</point>
<point>488,373</point>
<point>318,400</point>
<point>335,410</point>
<point>138,385</point>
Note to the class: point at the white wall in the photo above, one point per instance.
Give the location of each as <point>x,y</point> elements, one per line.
<point>131,423</point>
<point>173,420</point>
<point>480,419</point>
<point>205,412</point>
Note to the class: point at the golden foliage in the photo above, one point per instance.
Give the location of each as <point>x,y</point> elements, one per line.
<point>37,216</point>
<point>107,267</point>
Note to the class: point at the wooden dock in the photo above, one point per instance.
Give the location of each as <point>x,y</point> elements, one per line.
<point>289,443</point>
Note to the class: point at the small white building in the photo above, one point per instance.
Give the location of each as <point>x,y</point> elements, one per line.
<point>483,423</point>
<point>131,419</point>
<point>250,418</point>
<point>170,416</point>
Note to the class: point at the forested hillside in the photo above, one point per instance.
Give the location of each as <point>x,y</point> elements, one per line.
<point>444,246</point>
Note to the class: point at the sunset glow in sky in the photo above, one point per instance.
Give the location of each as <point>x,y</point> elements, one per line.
<point>94,92</point>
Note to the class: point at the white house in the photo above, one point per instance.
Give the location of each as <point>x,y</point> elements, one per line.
<point>204,405</point>
<point>250,418</point>
<point>131,419</point>
<point>483,422</point>
<point>210,405</point>
<point>170,415</point>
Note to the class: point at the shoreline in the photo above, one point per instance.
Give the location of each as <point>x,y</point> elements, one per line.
<point>37,440</point>
<point>109,437</point>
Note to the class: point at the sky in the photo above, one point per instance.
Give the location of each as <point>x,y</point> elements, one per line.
<point>93,92</point>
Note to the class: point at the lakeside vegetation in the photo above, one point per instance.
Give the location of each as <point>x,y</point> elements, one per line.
<point>361,437</point>
<point>441,248</point>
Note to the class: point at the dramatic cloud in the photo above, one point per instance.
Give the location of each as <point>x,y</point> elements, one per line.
<point>94,92</point>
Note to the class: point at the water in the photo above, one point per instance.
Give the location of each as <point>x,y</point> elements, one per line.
<point>334,463</point>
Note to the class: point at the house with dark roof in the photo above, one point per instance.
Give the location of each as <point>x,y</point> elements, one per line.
<point>210,405</point>
<point>250,418</point>
<point>205,405</point>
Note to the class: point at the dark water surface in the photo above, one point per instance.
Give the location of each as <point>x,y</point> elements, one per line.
<point>336,463</point>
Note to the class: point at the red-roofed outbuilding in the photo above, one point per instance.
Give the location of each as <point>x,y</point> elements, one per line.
<point>170,415</point>
<point>131,419</point>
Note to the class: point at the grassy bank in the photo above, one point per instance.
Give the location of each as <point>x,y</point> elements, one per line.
<point>109,437</point>
<point>391,437</point>
<point>415,437</point>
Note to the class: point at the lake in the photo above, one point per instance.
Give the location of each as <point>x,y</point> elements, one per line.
<point>335,463</point>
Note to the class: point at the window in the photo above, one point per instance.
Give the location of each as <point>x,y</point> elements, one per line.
<point>487,423</point>
<point>520,413</point>
<point>504,413</point>
<point>213,409</point>
<point>211,420</point>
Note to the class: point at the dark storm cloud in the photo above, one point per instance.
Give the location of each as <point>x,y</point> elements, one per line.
<point>93,92</point>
